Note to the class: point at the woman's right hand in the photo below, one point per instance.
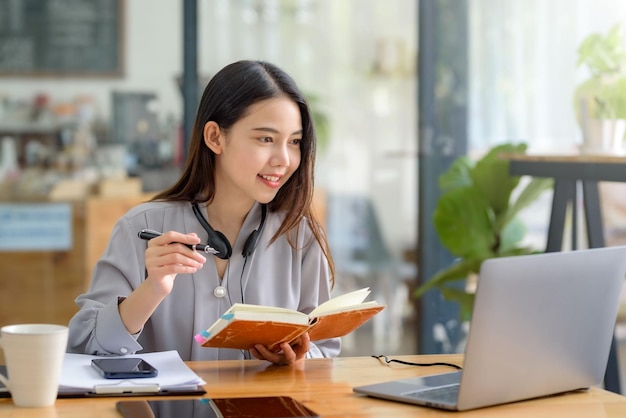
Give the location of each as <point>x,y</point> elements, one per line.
<point>166,256</point>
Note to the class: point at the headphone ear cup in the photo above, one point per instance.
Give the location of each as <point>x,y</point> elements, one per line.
<point>250,244</point>
<point>221,244</point>
<point>216,239</point>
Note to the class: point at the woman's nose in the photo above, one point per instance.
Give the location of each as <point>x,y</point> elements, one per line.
<point>280,157</point>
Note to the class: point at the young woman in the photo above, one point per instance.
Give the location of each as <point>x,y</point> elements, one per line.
<point>246,190</point>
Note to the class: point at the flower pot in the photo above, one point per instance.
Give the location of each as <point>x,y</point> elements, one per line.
<point>603,136</point>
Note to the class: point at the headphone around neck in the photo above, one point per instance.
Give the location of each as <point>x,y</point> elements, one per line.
<point>220,243</point>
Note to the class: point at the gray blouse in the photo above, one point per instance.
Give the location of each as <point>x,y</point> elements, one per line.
<point>274,275</point>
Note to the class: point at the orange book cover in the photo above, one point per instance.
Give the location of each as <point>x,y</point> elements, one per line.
<point>244,334</point>
<point>341,323</point>
<point>244,325</point>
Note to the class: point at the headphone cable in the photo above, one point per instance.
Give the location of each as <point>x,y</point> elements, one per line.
<point>387,360</point>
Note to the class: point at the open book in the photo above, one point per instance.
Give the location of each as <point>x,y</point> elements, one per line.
<point>244,325</point>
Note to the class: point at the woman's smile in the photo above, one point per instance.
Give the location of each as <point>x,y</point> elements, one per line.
<point>272,181</point>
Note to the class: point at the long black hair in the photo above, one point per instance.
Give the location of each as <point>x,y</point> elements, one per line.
<point>226,99</point>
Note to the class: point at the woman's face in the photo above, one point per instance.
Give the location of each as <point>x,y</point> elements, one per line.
<point>260,152</point>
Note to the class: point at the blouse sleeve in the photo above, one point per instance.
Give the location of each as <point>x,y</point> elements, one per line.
<point>97,327</point>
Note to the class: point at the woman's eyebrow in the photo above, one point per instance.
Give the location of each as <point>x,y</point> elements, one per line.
<point>275,131</point>
<point>264,129</point>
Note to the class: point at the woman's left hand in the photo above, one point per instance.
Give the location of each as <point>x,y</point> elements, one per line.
<point>288,355</point>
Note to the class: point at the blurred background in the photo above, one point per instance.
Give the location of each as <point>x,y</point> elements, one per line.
<point>96,96</point>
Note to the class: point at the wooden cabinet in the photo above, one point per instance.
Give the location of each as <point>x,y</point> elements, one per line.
<point>40,286</point>
<point>101,215</point>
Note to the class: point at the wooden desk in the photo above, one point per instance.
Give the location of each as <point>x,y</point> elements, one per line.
<point>568,171</point>
<point>325,385</point>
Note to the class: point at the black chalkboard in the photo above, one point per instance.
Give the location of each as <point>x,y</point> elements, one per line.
<point>61,37</point>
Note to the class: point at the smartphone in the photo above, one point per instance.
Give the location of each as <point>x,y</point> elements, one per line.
<point>123,368</point>
<point>258,407</point>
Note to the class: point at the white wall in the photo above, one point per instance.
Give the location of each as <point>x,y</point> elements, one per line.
<point>153,57</point>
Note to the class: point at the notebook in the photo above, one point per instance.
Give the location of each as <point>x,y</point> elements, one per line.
<point>542,324</point>
<point>175,378</point>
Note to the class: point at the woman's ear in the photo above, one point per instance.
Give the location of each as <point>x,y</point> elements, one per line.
<point>213,137</point>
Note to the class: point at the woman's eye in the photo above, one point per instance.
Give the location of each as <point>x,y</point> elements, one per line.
<point>266,139</point>
<point>296,141</point>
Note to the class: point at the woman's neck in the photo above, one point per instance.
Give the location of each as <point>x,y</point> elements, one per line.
<point>226,216</point>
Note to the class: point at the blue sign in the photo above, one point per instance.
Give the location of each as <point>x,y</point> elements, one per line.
<point>36,227</point>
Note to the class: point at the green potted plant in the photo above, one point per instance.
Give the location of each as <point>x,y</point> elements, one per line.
<point>476,218</point>
<point>600,100</point>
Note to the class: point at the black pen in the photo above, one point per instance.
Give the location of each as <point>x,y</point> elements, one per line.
<point>148,234</point>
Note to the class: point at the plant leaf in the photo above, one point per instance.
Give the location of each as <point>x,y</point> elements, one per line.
<point>603,94</point>
<point>535,188</point>
<point>491,176</point>
<point>457,175</point>
<point>475,219</point>
<point>462,222</point>
<point>464,299</point>
<point>511,235</point>
<point>458,270</point>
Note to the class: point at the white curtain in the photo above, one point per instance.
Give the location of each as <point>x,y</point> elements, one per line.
<point>523,70</point>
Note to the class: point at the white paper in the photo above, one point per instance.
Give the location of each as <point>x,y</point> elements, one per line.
<point>173,373</point>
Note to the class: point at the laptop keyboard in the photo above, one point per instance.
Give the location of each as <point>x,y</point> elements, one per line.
<point>444,394</point>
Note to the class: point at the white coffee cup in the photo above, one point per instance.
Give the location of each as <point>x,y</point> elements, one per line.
<point>34,356</point>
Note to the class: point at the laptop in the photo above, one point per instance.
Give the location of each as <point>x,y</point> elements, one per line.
<point>542,324</point>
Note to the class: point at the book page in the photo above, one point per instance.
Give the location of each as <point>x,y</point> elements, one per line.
<point>338,309</point>
<point>249,312</point>
<point>287,316</point>
<point>245,307</point>
<point>343,302</point>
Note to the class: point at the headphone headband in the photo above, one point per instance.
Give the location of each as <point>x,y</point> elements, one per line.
<point>219,241</point>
